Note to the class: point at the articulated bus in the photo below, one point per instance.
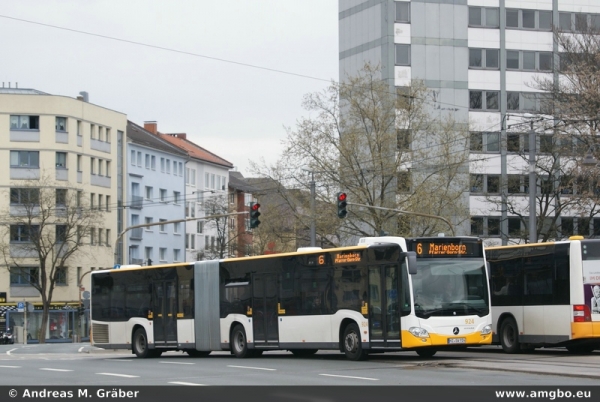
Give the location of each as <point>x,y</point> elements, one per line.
<point>546,295</point>
<point>378,296</point>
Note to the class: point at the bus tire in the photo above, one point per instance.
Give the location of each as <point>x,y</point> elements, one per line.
<point>239,342</point>
<point>197,353</point>
<point>140,344</point>
<point>352,345</point>
<point>426,352</point>
<point>509,336</point>
<point>303,352</point>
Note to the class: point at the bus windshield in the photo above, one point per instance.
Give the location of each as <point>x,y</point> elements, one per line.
<point>450,287</point>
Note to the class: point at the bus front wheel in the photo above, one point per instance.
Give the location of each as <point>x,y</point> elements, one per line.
<point>352,345</point>
<point>140,344</point>
<point>509,336</point>
<point>239,343</point>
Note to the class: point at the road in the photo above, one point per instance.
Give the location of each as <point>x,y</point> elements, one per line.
<point>81,364</point>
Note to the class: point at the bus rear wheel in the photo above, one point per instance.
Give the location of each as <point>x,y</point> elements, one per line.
<point>239,343</point>
<point>509,336</point>
<point>352,345</point>
<point>140,344</point>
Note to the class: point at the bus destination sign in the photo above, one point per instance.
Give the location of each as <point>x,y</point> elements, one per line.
<point>346,257</point>
<point>447,249</point>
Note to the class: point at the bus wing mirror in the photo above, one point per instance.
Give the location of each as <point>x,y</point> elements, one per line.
<point>411,258</point>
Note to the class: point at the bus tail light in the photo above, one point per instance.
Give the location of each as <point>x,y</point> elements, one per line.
<point>581,313</point>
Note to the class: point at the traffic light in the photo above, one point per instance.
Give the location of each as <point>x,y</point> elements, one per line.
<point>341,205</point>
<point>254,214</point>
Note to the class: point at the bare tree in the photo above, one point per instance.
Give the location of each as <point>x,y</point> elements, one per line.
<point>45,224</point>
<point>383,149</point>
<point>226,237</point>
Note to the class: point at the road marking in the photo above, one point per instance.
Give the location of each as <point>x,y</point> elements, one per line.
<point>8,352</point>
<point>354,378</point>
<point>80,349</point>
<point>120,375</point>
<point>184,383</point>
<point>53,369</point>
<point>253,368</point>
<point>118,360</point>
<point>175,363</point>
<point>10,366</point>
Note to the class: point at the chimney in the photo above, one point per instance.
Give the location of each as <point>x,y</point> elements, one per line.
<point>151,126</point>
<point>85,96</point>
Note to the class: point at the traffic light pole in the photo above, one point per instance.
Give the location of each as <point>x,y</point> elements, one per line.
<point>407,213</point>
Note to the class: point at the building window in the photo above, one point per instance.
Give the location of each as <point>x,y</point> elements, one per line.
<point>493,184</point>
<point>24,122</point>
<point>402,55</point>
<point>25,159</point>
<point>23,275</point>
<point>176,227</point>
<point>23,233</point>
<point>484,17</point>
<point>484,58</point>
<point>153,162</point>
<point>528,60</point>
<point>404,182</point>
<point>476,183</point>
<point>199,227</point>
<point>176,197</point>
<point>148,220</point>
<point>24,196</point>
<point>162,227</point>
<point>403,138</point>
<point>402,12</point>
<point>484,100</point>
<point>61,196</point>
<point>147,161</point>
<point>163,195</point>
<point>514,227</point>
<point>148,192</point>
<point>477,226</point>
<point>61,124</point>
<point>162,254</point>
<point>61,233</point>
<point>485,142</point>
<point>61,160</point>
<point>493,226</point>
<point>176,255</point>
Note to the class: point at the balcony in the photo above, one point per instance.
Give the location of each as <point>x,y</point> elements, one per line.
<point>137,202</point>
<point>100,145</point>
<point>101,181</point>
<point>62,137</point>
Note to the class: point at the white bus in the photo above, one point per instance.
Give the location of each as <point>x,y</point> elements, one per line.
<point>546,295</point>
<point>379,296</point>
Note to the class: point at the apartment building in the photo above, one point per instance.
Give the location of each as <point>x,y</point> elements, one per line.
<point>60,155</point>
<point>155,193</point>
<point>480,59</point>
<point>206,182</point>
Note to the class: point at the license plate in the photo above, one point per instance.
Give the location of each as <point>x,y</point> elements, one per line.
<point>457,340</point>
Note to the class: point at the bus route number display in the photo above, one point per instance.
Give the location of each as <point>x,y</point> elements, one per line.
<point>445,249</point>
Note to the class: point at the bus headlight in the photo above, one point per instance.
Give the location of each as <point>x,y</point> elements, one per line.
<point>419,332</point>
<point>486,330</point>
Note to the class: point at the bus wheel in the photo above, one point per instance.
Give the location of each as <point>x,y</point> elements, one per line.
<point>426,352</point>
<point>197,353</point>
<point>303,352</point>
<point>509,336</point>
<point>352,346</point>
<point>140,344</point>
<point>239,344</point>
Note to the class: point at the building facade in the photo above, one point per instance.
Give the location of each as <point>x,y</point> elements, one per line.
<point>480,60</point>
<point>61,161</point>
<point>155,192</point>
<point>206,182</point>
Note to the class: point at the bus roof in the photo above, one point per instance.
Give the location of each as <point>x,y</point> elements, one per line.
<point>548,243</point>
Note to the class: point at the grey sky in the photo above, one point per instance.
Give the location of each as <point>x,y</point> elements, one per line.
<point>235,111</point>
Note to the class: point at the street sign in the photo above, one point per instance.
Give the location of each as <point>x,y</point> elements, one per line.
<point>20,307</point>
<point>86,295</point>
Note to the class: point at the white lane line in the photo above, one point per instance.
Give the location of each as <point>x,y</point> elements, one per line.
<point>10,366</point>
<point>80,349</point>
<point>8,352</point>
<point>53,369</point>
<point>253,368</point>
<point>118,360</point>
<point>354,378</point>
<point>175,363</point>
<point>184,383</point>
<point>120,375</point>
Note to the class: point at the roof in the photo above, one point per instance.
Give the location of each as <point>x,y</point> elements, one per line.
<point>195,151</point>
<point>237,182</point>
<point>21,91</point>
<point>138,135</point>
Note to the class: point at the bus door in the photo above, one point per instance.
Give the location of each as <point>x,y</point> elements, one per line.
<point>164,311</point>
<point>384,313</point>
<point>264,310</point>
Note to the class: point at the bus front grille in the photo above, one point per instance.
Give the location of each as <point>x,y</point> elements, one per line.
<point>100,333</point>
